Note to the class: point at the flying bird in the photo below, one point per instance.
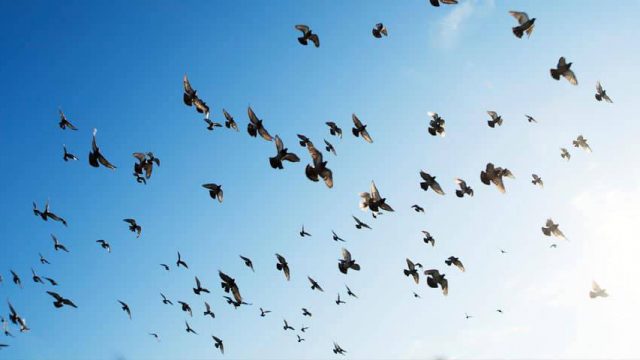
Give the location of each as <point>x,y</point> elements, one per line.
<point>218,344</point>
<point>67,155</point>
<point>564,69</point>
<point>16,279</point>
<point>299,338</point>
<point>207,310</point>
<point>191,98</point>
<point>125,308</point>
<point>287,326</point>
<point>283,266</point>
<point>58,245</point>
<point>524,24</point>
<point>596,291</point>
<point>263,312</point>
<point>601,94</point>
<point>145,164</point>
<point>336,348</point>
<point>350,293</point>
<point>51,281</point>
<point>314,284</point>
<point>60,301</point>
<point>104,244</point>
<point>379,30</point>
<point>412,271</point>
<point>430,182</point>
<point>452,260</point>
<point>359,129</point>
<point>319,168</point>
<point>467,316</point>
<point>189,329</point>
<point>282,154</point>
<point>306,312</point>
<point>336,237</point>
<point>564,153</point>
<point>155,336</point>
<point>464,188</point>
<point>495,119</point>
<point>436,124</point>
<point>16,319</point>
<point>133,226</point>
<point>495,175</point>
<point>417,208</point>
<point>347,262</point>
<point>373,201</point>
<point>181,262</point>
<point>43,261</point>
<point>46,214</point>
<point>165,300</point>
<point>247,262</point>
<point>537,180</point>
<point>581,142</point>
<point>255,126</point>
<point>229,122</point>
<point>215,191</point>
<point>185,307</point>
<point>165,266</point>
<point>307,35</point>
<point>531,119</point>
<point>229,285</point>
<point>303,233</point>
<point>334,129</point>
<point>339,301</point>
<point>435,279</point>
<point>211,125</point>
<point>199,289</point>
<point>552,229</point>
<point>35,277</point>
<point>360,224</point>
<point>64,122</point>
<point>95,155</point>
<point>329,147</point>
<point>304,141</point>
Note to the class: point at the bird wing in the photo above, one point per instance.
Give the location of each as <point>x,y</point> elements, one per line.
<point>365,135</point>
<point>252,116</point>
<point>187,86</point>
<point>303,28</point>
<point>569,75</point>
<point>279,144</point>
<point>356,121</point>
<point>522,17</point>
<point>346,255</point>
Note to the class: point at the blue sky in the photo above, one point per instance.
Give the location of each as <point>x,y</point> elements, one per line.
<point>118,67</point>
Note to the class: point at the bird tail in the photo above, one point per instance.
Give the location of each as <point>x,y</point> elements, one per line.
<point>279,266</point>
<point>546,231</point>
<point>424,186</point>
<point>448,262</point>
<point>459,193</point>
<point>598,97</point>
<point>355,132</point>
<point>406,272</point>
<point>517,31</point>
<point>491,123</point>
<point>432,131</point>
<point>555,74</point>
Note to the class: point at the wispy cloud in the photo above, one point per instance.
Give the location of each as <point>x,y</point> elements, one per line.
<point>451,25</point>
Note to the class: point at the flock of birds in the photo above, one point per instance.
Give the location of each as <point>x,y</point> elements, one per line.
<point>315,171</point>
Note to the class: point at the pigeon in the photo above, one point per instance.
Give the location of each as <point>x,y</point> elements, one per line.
<point>336,348</point>
<point>155,336</point>
<point>597,291</point>
<point>190,98</point>
<point>303,233</point>
<point>524,24</point>
<point>104,244</point>
<point>133,226</point>
<point>306,312</point>
<point>452,260</point>
<point>229,123</point>
<point>236,304</point>
<point>412,271</point>
<point>304,141</point>
<point>581,142</point>
<point>247,262</point>
<point>350,293</point>
<point>500,311</point>
<point>207,310</point>
<point>2,346</point>
<point>537,180</point>
<point>430,182</point>
<point>185,307</point>
<point>360,224</point>
<point>330,147</point>
<point>319,168</point>
<point>531,119</point>
<point>373,201</point>
<point>307,35</point>
<point>436,125</point>
<point>287,326</point>
<point>282,155</point>
<point>502,251</point>
<point>379,30</point>
<point>495,119</point>
<point>467,316</point>
<point>564,69</point>
<point>144,164</point>
<point>60,301</point>
<point>601,94</point>
<point>229,285</point>
<point>64,122</point>
<point>314,284</point>
<point>347,262</point>
<point>165,300</point>
<point>218,344</point>
<point>43,261</point>
<point>47,214</point>
<point>16,319</point>
<point>95,156</point>
<point>464,188</point>
<point>494,175</point>
<point>553,246</point>
<point>551,228</point>
<point>51,281</point>
<point>165,266</point>
<point>125,308</point>
<point>67,155</point>
<point>16,279</point>
<point>58,245</point>
<point>283,266</point>
<point>189,329</point>
<point>255,126</point>
<point>417,208</point>
<point>181,262</point>
<point>564,153</point>
<point>211,125</point>
<point>299,338</point>
<point>360,130</point>
<point>304,328</point>
<point>199,289</point>
<point>35,277</point>
<point>334,129</point>
<point>435,279</point>
<point>339,301</point>
<point>263,312</point>
<point>336,237</point>
<point>215,191</point>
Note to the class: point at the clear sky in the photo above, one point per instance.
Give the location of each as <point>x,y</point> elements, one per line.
<point>117,66</point>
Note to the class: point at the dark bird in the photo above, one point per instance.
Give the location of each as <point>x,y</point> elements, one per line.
<point>307,35</point>
<point>236,304</point>
<point>5,327</point>
<point>360,224</point>
<point>436,3</point>
<point>155,336</point>
<point>466,316</point>
<point>597,291</point>
<point>185,307</point>
<point>304,141</point>
<point>145,164</point>
<point>495,119</point>
<point>464,188</point>
<point>334,129</point>
<point>58,245</point>
<point>247,262</point>
<point>16,279</point>
<point>339,301</point>
<point>218,344</point>
<point>215,191</point>
<point>263,312</point>
<point>60,301</point>
<point>181,262</point>
<point>287,326</point>
<point>299,338</point>
<point>165,266</point>
<point>499,310</point>
<point>16,319</point>
<point>416,295</point>
<point>314,284</point>
<point>306,312</point>
<point>67,155</point>
<point>283,266</point>
<point>133,226</point>
<point>336,237</point>
<point>359,129</point>
<point>436,124</point>
<point>553,246</point>
<point>524,24</point>
<point>347,262</point>
<point>228,284</point>
<point>531,119</point>
<point>350,293</point>
<point>564,69</point>
<point>165,300</point>
<point>502,251</point>
<point>452,260</point>
<point>537,180</point>
<point>255,126</point>
<point>412,271</point>
<point>336,348</point>
<point>601,94</point>
<point>140,179</point>
<point>303,233</point>
<point>190,98</point>
<point>373,201</point>
<point>564,153</point>
<point>417,208</point>
<point>494,175</point>
<point>104,244</point>
<point>189,329</point>
<point>64,122</point>
<point>95,156</point>
<point>581,142</point>
<point>304,328</point>
<point>47,214</point>
<point>434,278</point>
<point>35,277</point>
<point>125,308</point>
<point>211,125</point>
<point>379,30</point>
<point>51,281</point>
<point>330,147</point>
<point>430,182</point>
<point>199,289</point>
<point>428,238</point>
<point>282,154</point>
<point>319,168</point>
<point>552,229</point>
<point>43,261</point>
<point>207,310</point>
<point>229,123</point>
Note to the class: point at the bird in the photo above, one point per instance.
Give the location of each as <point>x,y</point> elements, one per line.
<point>564,153</point>
<point>553,246</point>
<point>229,122</point>
<point>564,69</point>
<point>189,329</point>
<point>339,301</point>
<point>51,281</point>
<point>165,300</point>
<point>552,229</point>
<point>104,244</point>
<point>58,245</point>
<point>263,312</point>
<point>16,319</point>
<point>452,260</point>
<point>229,285</point>
<point>329,147</point>
<point>185,307</point>
<point>347,262</point>
<point>502,251</point>
<point>581,142</point>
<point>436,124</point>
<point>67,155</point>
<point>156,336</point>
<point>46,214</point>
<point>145,164</point>
<point>537,180</point>
<point>299,338</point>
<point>43,261</point>
<point>464,188</point>
<point>133,226</point>
<point>218,343</point>
<point>428,238</point>
<point>417,208</point>
<point>140,179</point>
<point>360,224</point>
<point>314,284</point>
<point>524,24</point>
<point>336,348</point>
<point>412,271</point>
<point>255,126</point>
<point>236,304</point>
<point>16,279</point>
<point>531,119</point>
<point>430,182</point>
<point>336,237</point>
<point>304,141</point>
<point>199,289</point>
<point>350,293</point>
<point>181,262</point>
<point>303,233</point>
<point>5,327</point>
<point>64,122</point>
<point>467,316</point>
<point>287,326</point>
<point>306,312</point>
<point>125,308</point>
<point>319,168</point>
<point>211,125</point>
<point>35,277</point>
<point>283,266</point>
<point>96,158</point>
<point>60,301</point>
<point>307,35</point>
<point>373,201</point>
<point>2,346</point>
<point>282,154</point>
<point>435,279</point>
<point>334,129</point>
<point>495,119</point>
<point>165,266</point>
<point>500,311</point>
<point>247,262</point>
<point>379,30</point>
<point>191,98</point>
<point>359,129</point>
<point>207,310</point>
<point>494,175</point>
<point>601,94</point>
<point>215,191</point>
<point>596,291</point>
